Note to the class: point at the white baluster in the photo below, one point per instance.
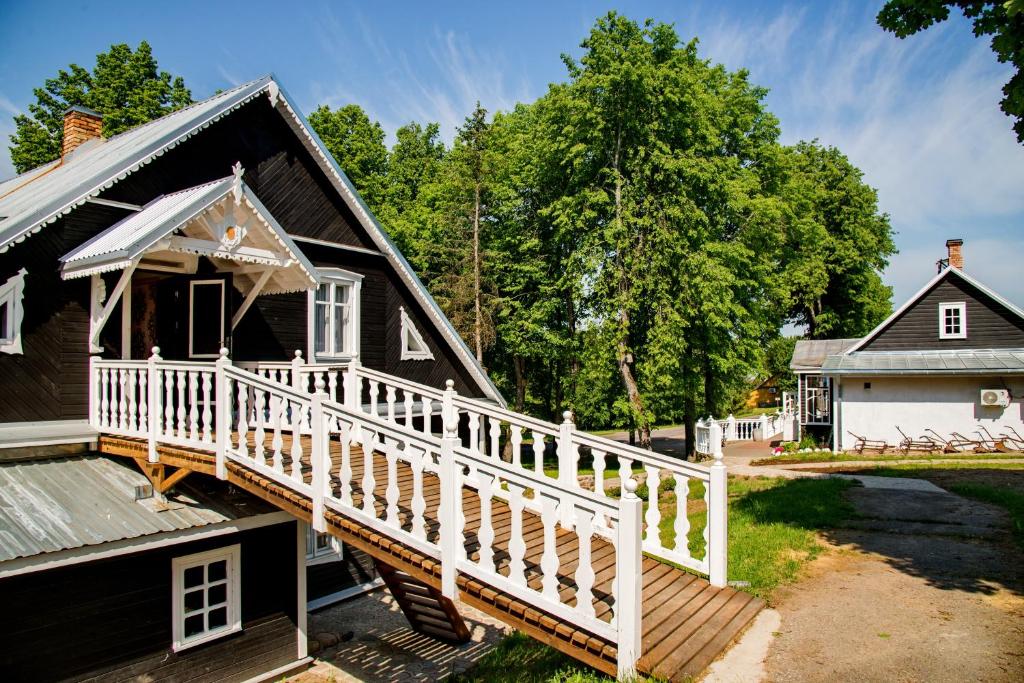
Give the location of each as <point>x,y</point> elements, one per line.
<point>598,467</point>
<point>277,407</point>
<point>181,415</point>
<point>584,575</point>
<point>495,427</point>
<point>332,385</point>
<point>193,408</point>
<point>144,401</point>
<point>374,395</point>
<point>625,469</point>
<point>485,484</point>
<point>391,492</point>
<point>682,523</point>
<point>345,475</point>
<point>168,402</point>
<point>207,410</point>
<point>369,483</point>
<point>407,400</point>
<point>122,407</point>
<point>425,406</point>
<point>243,419</point>
<point>296,452</point>
<point>419,504</point>
<point>516,433</point>
<point>538,453</point>
<point>390,399</point>
<point>549,560</point>
<point>652,537</point>
<point>105,397</point>
<point>133,417</point>
<point>516,546</point>
<point>259,435</point>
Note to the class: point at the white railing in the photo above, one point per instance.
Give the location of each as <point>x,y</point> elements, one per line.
<point>257,415</point>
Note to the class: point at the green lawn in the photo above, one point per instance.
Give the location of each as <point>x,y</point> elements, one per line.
<point>1008,499</point>
<point>521,659</point>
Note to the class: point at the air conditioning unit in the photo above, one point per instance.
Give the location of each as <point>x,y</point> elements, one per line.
<point>995,397</point>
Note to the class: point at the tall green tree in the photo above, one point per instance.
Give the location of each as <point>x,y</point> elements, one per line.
<point>125,86</point>
<point>1001,19</point>
<point>357,144</point>
<point>837,244</point>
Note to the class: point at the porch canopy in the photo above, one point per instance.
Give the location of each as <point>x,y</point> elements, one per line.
<point>223,221</point>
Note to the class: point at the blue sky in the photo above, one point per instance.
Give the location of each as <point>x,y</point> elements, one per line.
<point>919,116</point>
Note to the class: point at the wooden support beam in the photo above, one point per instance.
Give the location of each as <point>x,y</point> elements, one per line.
<point>98,321</point>
<point>153,471</point>
<point>170,481</point>
<point>251,297</point>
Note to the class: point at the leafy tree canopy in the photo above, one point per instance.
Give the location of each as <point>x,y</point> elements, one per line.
<point>357,143</point>
<point>1001,19</point>
<point>125,86</point>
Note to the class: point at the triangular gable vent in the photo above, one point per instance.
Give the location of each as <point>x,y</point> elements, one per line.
<point>413,346</point>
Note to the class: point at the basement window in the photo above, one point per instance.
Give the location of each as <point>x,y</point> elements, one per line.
<point>953,320</point>
<point>12,295</point>
<point>413,345</point>
<point>321,547</point>
<point>207,596</point>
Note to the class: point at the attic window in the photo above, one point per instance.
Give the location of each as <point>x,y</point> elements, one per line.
<point>12,293</point>
<point>413,346</point>
<point>953,320</point>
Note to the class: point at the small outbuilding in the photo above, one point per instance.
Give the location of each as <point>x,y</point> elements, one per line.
<point>947,365</point>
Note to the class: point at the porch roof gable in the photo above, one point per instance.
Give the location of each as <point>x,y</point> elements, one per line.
<point>222,220</point>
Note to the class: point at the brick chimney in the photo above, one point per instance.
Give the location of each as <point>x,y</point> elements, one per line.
<point>80,125</point>
<point>956,254</point>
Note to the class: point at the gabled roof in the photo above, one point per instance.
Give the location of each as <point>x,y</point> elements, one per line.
<point>42,197</point>
<point>190,211</point>
<point>939,277</point>
<point>960,362</point>
<point>809,354</point>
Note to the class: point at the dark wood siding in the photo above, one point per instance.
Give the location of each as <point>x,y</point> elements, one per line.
<point>353,569</point>
<point>990,325</point>
<point>111,619</point>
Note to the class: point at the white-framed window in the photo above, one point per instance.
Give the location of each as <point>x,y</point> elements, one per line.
<point>334,315</point>
<point>953,320</point>
<point>413,346</point>
<point>12,310</point>
<point>207,593</point>
<point>321,547</point>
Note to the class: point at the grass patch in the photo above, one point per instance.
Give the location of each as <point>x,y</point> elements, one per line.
<point>1009,500</point>
<point>901,469</point>
<point>519,658</point>
<point>798,458</point>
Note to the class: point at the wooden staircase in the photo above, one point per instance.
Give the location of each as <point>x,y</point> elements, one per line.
<point>427,610</point>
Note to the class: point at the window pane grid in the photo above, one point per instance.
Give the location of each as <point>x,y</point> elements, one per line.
<point>206,596</point>
<point>333,319</point>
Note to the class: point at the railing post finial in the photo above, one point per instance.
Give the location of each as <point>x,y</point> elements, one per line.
<point>449,416</point>
<point>155,351</point>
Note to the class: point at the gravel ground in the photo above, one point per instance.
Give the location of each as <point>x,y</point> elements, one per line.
<point>383,647</point>
<point>912,594</point>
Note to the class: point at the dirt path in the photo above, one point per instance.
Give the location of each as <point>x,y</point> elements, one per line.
<point>922,586</point>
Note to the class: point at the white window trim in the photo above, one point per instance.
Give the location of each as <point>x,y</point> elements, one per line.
<point>335,276</point>
<point>12,293</point>
<point>409,331</point>
<point>331,553</point>
<point>232,554</point>
<point>191,318</point>
<point>949,306</point>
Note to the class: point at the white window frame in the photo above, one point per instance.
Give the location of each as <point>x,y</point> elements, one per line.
<point>410,333</point>
<point>332,552</point>
<point>12,293</point>
<point>191,318</point>
<point>960,306</point>
<point>335,277</point>
<point>232,554</point>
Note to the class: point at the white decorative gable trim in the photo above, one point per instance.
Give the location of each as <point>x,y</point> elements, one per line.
<point>12,294</point>
<point>413,346</point>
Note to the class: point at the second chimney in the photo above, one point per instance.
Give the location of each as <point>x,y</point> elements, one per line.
<point>956,253</point>
<point>80,125</point>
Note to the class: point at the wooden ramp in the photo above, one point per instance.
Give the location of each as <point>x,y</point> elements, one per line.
<point>686,622</point>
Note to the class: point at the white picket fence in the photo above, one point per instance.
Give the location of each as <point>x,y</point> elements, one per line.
<point>252,415</point>
<point>712,434</point>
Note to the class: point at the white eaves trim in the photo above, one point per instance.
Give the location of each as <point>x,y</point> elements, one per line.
<point>924,290</point>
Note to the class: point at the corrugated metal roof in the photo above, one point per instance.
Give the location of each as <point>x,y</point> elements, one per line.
<point>52,505</point>
<point>42,195</point>
<point>809,354</point>
<point>966,362</point>
<point>140,230</point>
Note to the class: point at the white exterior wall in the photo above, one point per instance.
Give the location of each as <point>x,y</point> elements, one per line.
<point>914,404</point>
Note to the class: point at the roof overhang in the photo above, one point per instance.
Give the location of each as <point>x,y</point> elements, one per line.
<point>223,221</point>
<point>958,363</point>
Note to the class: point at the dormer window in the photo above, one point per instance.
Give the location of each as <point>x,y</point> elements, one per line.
<point>953,320</point>
<point>12,294</point>
<point>413,345</point>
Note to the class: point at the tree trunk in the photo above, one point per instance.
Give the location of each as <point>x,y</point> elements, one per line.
<point>710,395</point>
<point>690,425</point>
<point>477,307</point>
<point>519,365</point>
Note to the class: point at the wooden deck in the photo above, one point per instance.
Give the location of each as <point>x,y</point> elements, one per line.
<point>687,622</point>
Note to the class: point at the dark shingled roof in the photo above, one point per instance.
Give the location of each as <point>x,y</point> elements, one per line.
<point>810,354</point>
